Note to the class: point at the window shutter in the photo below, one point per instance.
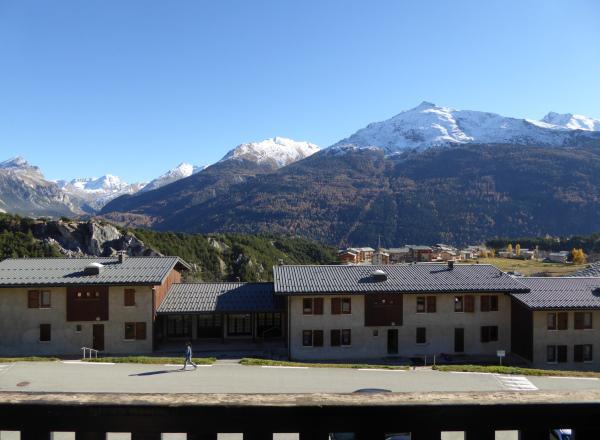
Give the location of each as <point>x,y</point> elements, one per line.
<point>335,338</point>
<point>130,297</point>
<point>485,334</point>
<point>336,307</point>
<point>469,303</point>
<point>33,299</point>
<point>45,332</point>
<point>318,338</point>
<point>431,304</point>
<point>494,333</point>
<point>485,303</point>
<point>578,320</point>
<point>561,352</point>
<point>578,353</point>
<point>318,306</point>
<point>140,330</point>
<point>563,321</point>
<point>494,303</point>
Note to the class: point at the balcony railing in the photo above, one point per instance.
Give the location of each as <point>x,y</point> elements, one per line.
<point>313,416</point>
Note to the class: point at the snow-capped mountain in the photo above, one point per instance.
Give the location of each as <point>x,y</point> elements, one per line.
<point>277,151</point>
<point>179,172</point>
<point>96,192</point>
<point>429,125</point>
<point>572,122</point>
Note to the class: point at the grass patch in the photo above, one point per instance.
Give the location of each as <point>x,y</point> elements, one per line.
<point>28,359</point>
<point>533,267</point>
<point>150,360</point>
<point>273,363</point>
<point>497,369</point>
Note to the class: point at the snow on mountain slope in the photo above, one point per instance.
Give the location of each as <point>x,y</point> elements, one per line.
<point>96,192</point>
<point>179,172</point>
<point>277,151</point>
<point>429,125</point>
<point>572,122</point>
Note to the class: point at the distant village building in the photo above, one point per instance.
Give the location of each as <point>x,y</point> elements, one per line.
<point>380,257</point>
<point>558,257</point>
<point>398,255</point>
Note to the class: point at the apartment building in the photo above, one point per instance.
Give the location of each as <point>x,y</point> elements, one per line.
<point>56,306</point>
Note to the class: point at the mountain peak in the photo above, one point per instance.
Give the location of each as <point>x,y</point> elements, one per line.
<point>15,162</point>
<point>181,171</point>
<point>277,151</point>
<point>572,121</point>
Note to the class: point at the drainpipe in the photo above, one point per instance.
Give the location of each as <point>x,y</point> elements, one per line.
<point>289,333</point>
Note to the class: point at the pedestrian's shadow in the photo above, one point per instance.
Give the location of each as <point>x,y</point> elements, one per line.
<point>153,373</point>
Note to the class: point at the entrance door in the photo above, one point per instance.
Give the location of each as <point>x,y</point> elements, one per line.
<point>392,341</point>
<point>98,337</point>
<point>459,340</point>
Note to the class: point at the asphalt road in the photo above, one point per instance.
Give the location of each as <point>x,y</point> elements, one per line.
<point>234,378</point>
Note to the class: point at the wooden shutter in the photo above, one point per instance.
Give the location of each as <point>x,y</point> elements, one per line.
<point>140,330</point>
<point>318,306</point>
<point>431,304</point>
<point>335,338</point>
<point>45,332</point>
<point>578,353</point>
<point>561,353</point>
<point>469,303</point>
<point>494,303</point>
<point>579,321</point>
<point>130,297</point>
<point>421,335</point>
<point>485,303</point>
<point>494,333</point>
<point>336,306</point>
<point>485,334</point>
<point>318,338</point>
<point>33,299</point>
<point>563,321</point>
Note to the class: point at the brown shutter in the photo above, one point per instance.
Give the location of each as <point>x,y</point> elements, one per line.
<point>578,353</point>
<point>45,332</point>
<point>336,307</point>
<point>33,299</point>
<point>318,306</point>
<point>563,321</point>
<point>431,304</point>
<point>578,320</point>
<point>318,338</point>
<point>140,330</point>
<point>130,297</point>
<point>485,334</point>
<point>335,338</point>
<point>469,303</point>
<point>494,303</point>
<point>485,303</point>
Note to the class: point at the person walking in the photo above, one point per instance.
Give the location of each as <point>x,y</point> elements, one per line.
<point>188,356</point>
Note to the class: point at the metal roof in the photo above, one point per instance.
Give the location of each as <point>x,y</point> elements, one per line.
<point>69,271</point>
<point>561,293</point>
<point>221,297</point>
<point>592,271</point>
<point>402,278</point>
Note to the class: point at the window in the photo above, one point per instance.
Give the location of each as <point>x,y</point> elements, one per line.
<point>489,333</point>
<point>582,353</point>
<point>129,297</point>
<point>469,304</point>
<point>551,353</point>
<point>269,324</point>
<point>239,324</point>
<point>33,299</point>
<point>45,333</point>
<point>45,299</point>
<point>421,304</point>
<point>458,304</point>
<point>318,306</point>
<point>78,328</point>
<point>489,303</point>
<point>551,321</point>
<point>307,338</point>
<point>563,320</point>
<point>335,338</point>
<point>317,338</point>
<point>561,353</point>
<point>135,331</point>
<point>207,326</point>
<point>346,306</point>
<point>346,337</point>
<point>583,320</point>
<point>307,306</point>
<point>431,306</point>
<point>179,326</point>
<point>421,335</point>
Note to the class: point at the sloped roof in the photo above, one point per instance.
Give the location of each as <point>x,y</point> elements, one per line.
<point>221,297</point>
<point>68,271</point>
<point>592,271</point>
<point>402,278</point>
<point>561,293</point>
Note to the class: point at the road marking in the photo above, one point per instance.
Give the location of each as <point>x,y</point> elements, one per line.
<point>181,365</point>
<point>381,369</point>
<point>283,366</point>
<point>470,372</point>
<point>516,383</point>
<point>573,377</point>
<point>87,363</point>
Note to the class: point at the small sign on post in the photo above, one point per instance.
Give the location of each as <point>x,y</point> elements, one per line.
<point>500,354</point>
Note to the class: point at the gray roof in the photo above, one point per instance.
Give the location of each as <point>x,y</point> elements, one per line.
<point>592,271</point>
<point>404,278</point>
<point>68,271</point>
<point>561,293</point>
<point>221,297</point>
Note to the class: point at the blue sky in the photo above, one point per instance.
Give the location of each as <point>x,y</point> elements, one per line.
<point>134,87</point>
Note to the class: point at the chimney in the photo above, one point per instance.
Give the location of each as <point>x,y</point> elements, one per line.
<point>281,261</point>
<point>121,256</point>
<point>450,264</point>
